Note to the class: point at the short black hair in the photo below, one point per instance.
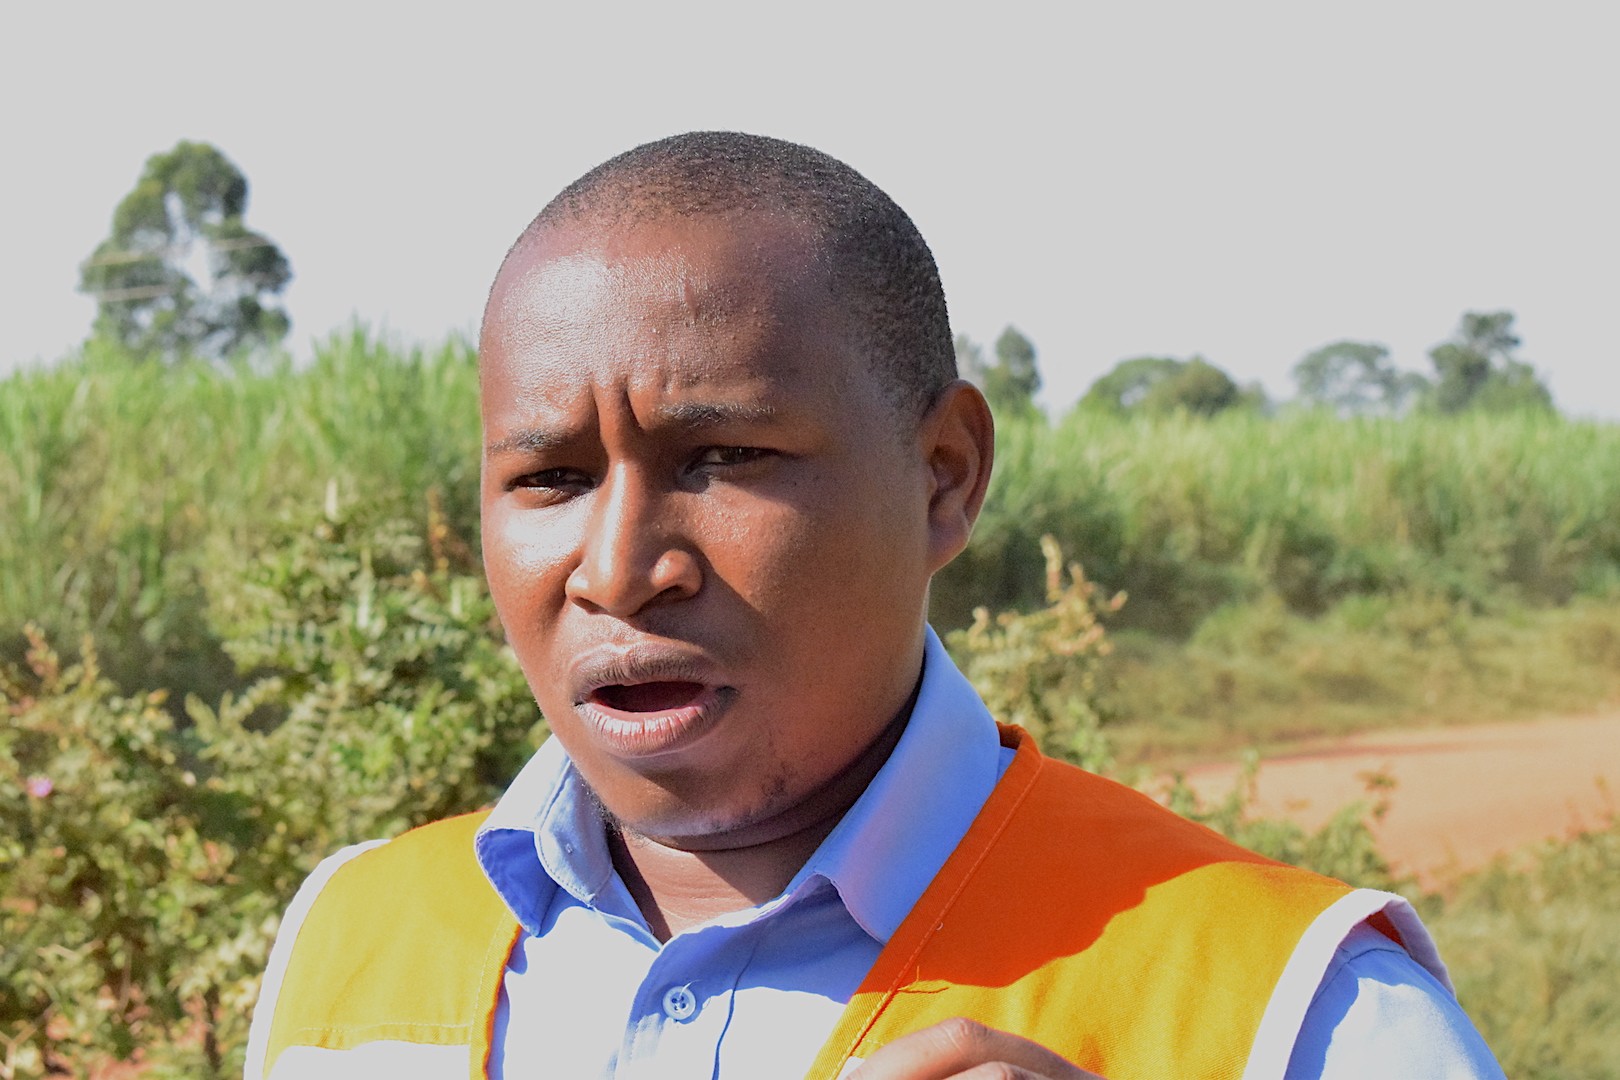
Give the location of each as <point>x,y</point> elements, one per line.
<point>878,263</point>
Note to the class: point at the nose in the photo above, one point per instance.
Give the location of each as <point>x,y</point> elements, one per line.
<point>631,559</point>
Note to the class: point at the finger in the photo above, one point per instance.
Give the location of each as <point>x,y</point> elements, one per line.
<point>953,1047</point>
<point>999,1070</point>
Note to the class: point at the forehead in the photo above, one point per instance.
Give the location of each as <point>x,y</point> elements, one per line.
<point>667,304</point>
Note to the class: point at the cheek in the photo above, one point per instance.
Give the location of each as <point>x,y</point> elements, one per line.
<point>821,560</point>
<point>527,562</point>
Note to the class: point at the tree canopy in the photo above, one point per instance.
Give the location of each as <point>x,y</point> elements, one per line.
<point>183,221</point>
<point>1477,369</point>
<point>1356,378</point>
<point>1162,384</point>
<point>1010,383</point>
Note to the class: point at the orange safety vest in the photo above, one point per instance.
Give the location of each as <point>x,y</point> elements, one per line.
<point>1076,912</point>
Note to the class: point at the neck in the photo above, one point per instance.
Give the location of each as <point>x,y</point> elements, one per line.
<point>678,884</point>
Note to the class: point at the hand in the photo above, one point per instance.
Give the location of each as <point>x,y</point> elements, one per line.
<point>962,1049</point>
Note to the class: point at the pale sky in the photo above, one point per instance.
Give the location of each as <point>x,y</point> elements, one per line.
<point>1243,180</point>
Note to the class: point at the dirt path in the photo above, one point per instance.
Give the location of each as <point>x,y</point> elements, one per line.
<point>1462,795</point>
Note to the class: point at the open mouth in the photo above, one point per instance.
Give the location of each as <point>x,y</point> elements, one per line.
<point>649,697</point>
<point>650,718</point>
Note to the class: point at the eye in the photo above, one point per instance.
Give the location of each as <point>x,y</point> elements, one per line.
<point>554,482</point>
<point>729,455</point>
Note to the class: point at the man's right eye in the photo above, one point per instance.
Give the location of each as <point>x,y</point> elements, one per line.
<point>560,481</point>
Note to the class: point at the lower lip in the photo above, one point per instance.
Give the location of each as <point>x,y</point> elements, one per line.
<point>634,734</point>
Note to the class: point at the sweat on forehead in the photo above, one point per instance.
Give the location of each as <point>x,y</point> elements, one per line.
<point>877,263</point>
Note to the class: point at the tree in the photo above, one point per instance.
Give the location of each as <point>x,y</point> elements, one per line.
<point>1011,382</point>
<point>1355,377</point>
<point>970,360</point>
<point>1476,369</point>
<point>182,221</point>
<point>1161,384</point>
<point>1127,385</point>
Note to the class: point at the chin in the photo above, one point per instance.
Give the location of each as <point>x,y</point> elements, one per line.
<point>671,817</point>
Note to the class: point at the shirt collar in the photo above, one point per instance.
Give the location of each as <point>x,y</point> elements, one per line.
<point>546,833</point>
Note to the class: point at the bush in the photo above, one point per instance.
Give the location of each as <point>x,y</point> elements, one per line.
<point>1040,670</point>
<point>144,865</point>
<point>1533,943</point>
<point>116,478</point>
<point>123,924</point>
<point>384,696</point>
<point>1343,848</point>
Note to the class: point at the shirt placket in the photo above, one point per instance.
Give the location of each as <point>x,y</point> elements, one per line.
<point>684,1005</point>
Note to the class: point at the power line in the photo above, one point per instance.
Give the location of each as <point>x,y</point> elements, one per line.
<point>114,258</point>
<point>139,292</point>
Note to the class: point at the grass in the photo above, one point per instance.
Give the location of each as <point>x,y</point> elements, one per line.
<point>1533,944</point>
<point>1287,576</point>
<point>1189,515</point>
<point>116,476</point>
<point>1258,676</point>
<point>1303,575</point>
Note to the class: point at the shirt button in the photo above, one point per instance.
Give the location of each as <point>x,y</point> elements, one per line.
<point>679,1003</point>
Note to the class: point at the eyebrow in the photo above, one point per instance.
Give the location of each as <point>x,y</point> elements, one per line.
<point>700,414</point>
<point>689,414</point>
<point>529,440</point>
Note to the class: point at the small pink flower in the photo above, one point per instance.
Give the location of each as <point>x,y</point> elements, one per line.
<point>39,786</point>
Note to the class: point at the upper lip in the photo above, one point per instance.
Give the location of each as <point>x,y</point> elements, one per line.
<point>628,665</point>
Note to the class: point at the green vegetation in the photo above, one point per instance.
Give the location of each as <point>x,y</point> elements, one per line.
<point>1476,370</point>
<point>1305,574</point>
<point>262,580</point>
<point>1191,515</point>
<point>1533,944</point>
<point>119,482</point>
<point>189,201</point>
<point>1161,385</point>
<point>1010,383</point>
<point>145,859</point>
<point>1356,378</point>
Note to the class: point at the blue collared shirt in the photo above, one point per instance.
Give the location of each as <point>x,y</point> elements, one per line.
<point>753,994</point>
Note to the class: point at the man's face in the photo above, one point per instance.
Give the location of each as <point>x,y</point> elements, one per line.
<point>705,527</point>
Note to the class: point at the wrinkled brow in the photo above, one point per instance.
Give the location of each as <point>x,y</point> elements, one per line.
<point>529,440</point>
<point>694,415</point>
<point>700,414</point>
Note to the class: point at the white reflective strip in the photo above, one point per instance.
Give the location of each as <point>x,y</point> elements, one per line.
<point>1291,998</point>
<point>1419,945</point>
<point>383,1058</point>
<point>270,989</point>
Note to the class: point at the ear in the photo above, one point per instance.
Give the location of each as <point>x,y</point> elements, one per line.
<point>959,445</point>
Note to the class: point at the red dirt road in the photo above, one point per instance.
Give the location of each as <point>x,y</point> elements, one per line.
<point>1462,795</point>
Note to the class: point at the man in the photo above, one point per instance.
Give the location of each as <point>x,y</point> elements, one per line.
<point>775,833</point>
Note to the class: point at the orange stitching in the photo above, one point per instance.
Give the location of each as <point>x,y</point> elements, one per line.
<point>504,932</point>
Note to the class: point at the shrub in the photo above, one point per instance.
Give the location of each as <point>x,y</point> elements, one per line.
<point>1533,943</point>
<point>1040,670</point>
<point>1343,848</point>
<point>123,924</point>
<point>144,864</point>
